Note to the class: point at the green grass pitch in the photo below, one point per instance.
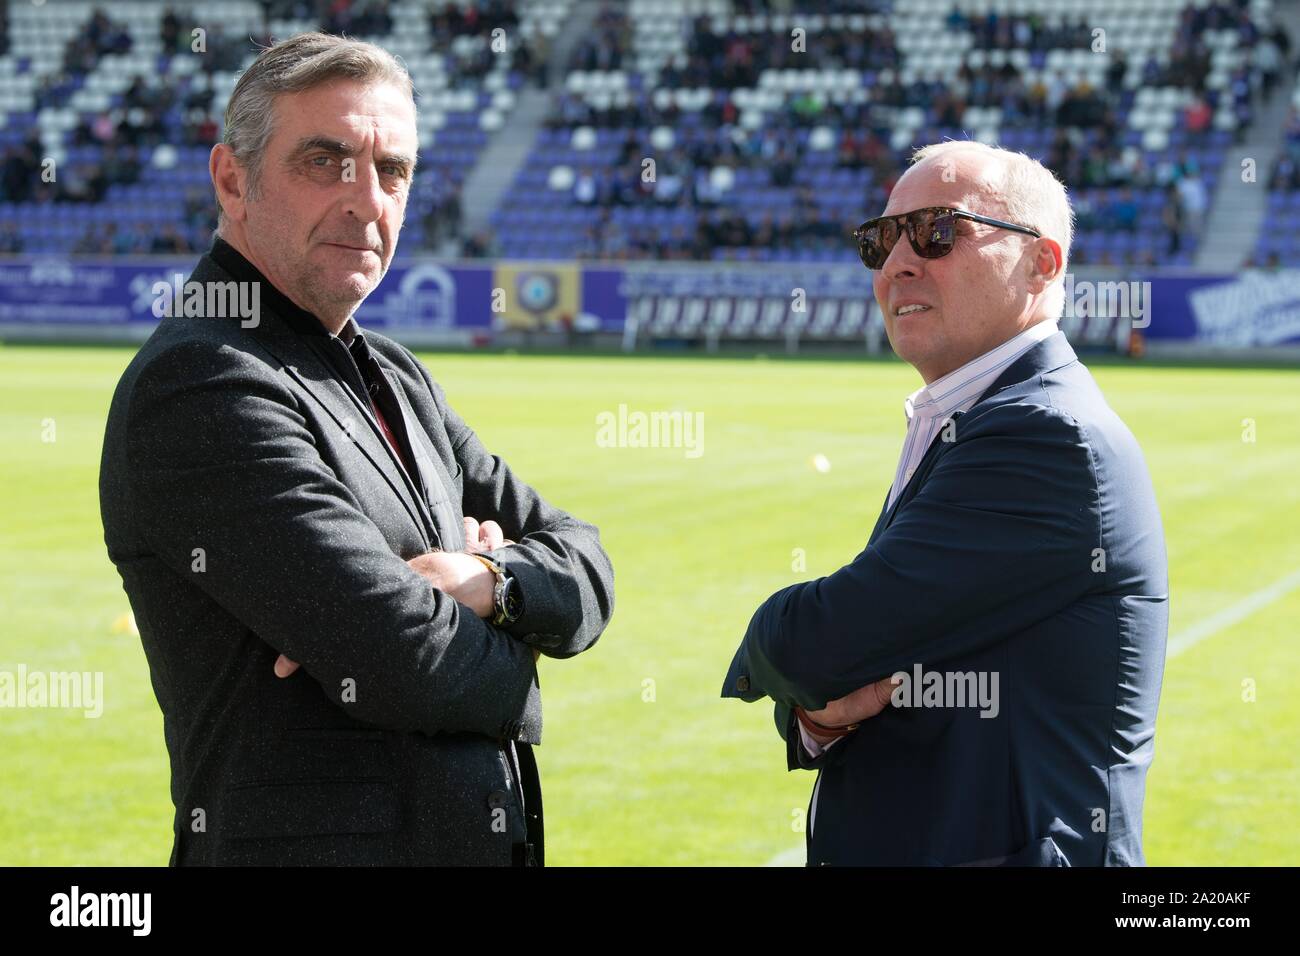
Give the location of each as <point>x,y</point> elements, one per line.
<point>642,762</point>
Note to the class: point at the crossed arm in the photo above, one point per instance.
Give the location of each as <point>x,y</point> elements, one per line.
<point>289,552</point>
<point>1001,534</point>
<point>469,582</point>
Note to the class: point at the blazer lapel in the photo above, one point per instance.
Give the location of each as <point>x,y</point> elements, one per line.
<point>918,479</point>
<point>301,357</point>
<point>880,521</point>
<point>312,372</point>
<point>434,479</point>
<point>1046,356</point>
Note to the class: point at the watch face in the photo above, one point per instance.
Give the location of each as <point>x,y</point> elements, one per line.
<point>511,600</point>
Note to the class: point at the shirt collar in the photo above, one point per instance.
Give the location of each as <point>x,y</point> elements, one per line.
<point>350,332</point>
<point>958,390</point>
<point>298,318</point>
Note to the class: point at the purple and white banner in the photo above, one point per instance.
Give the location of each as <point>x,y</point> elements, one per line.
<point>427,300</point>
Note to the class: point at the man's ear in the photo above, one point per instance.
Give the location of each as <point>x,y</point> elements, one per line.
<point>1046,263</point>
<point>229,180</point>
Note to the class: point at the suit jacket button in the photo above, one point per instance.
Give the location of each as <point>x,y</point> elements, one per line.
<point>742,684</point>
<point>498,799</point>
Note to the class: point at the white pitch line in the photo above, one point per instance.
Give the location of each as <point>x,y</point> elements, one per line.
<point>795,856</point>
<point>1233,613</point>
<point>1230,615</point>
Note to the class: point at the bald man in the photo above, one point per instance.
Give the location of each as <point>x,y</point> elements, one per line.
<point>979,685</point>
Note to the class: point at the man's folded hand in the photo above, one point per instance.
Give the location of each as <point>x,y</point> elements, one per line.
<point>459,575</point>
<point>487,536</point>
<point>853,708</point>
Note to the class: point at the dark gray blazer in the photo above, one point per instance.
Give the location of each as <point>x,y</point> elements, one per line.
<point>1029,546</point>
<point>252,507</point>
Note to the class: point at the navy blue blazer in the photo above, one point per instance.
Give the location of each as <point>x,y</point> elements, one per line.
<point>1027,546</point>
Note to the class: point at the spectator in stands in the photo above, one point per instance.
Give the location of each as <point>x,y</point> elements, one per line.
<point>90,242</point>
<point>168,242</point>
<point>1283,41</point>
<point>451,211</point>
<point>481,245</point>
<point>1267,59</point>
<point>121,166</point>
<point>358,18</point>
<point>1124,212</point>
<point>530,60</point>
<point>606,44</point>
<point>82,52</point>
<point>115,241</point>
<point>1117,70</point>
<point>1189,65</point>
<point>948,108</point>
<point>707,191</point>
<point>1197,116</point>
<point>200,94</point>
<point>11,243</point>
<point>105,36</point>
<point>1152,72</point>
<point>1086,216</point>
<point>1286,174</point>
<point>614,241</point>
<point>442,221</point>
<point>1292,129</point>
<point>200,129</point>
<point>81,183</point>
<point>732,230</point>
<point>126,241</point>
<point>54,89</point>
<point>1082,106</point>
<point>21,175</point>
<point>169,33</point>
<point>200,211</point>
<point>1194,200</point>
<point>668,190</point>
<point>221,52</point>
<point>586,190</point>
<point>1172,216</point>
<point>589,247</point>
<point>1096,170</point>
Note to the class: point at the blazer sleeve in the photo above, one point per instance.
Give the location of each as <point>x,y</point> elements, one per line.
<point>1001,534</point>
<point>564,574</point>
<point>229,492</point>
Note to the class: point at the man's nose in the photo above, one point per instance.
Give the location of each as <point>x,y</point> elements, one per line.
<point>902,261</point>
<point>365,196</point>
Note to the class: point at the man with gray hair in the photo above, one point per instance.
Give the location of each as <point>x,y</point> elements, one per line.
<point>979,685</point>
<point>342,595</point>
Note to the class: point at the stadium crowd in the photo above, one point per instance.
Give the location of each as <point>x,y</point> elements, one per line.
<point>1118,186</point>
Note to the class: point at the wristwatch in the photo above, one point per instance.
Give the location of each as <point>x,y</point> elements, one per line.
<point>507,601</point>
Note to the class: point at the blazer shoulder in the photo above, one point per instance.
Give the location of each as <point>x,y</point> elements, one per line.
<point>184,360</point>
<point>1025,410</point>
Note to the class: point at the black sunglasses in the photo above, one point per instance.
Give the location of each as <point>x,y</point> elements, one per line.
<point>932,231</point>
